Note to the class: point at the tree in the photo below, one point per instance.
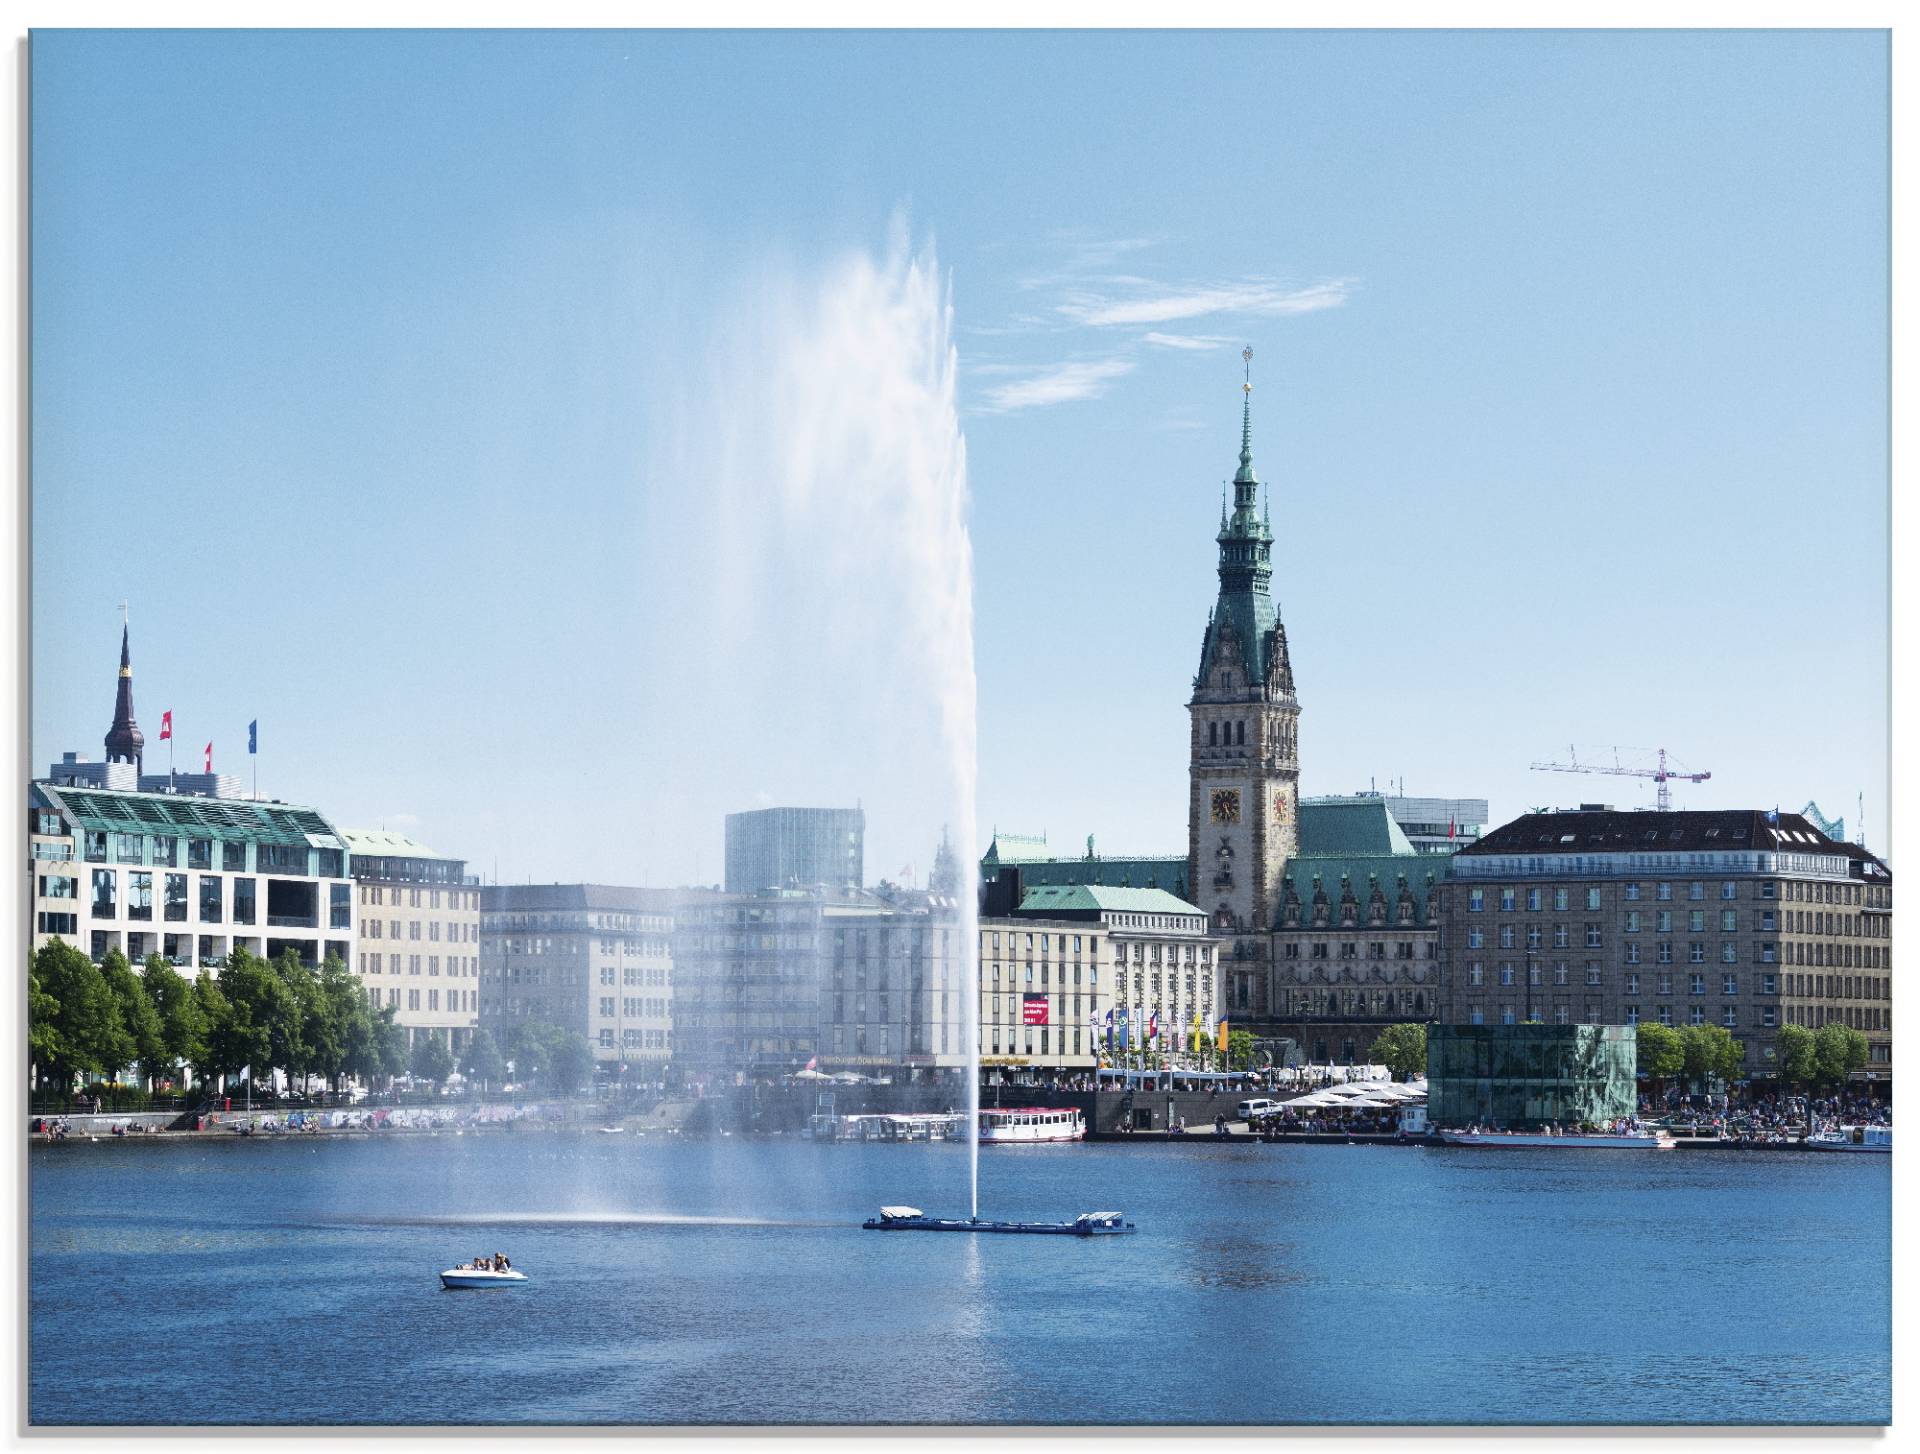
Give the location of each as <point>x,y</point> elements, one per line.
<point>1402,1049</point>
<point>1838,1051</point>
<point>295,1015</point>
<point>43,1031</point>
<point>483,1061</point>
<point>572,1063</point>
<point>346,1036</point>
<point>256,1009</point>
<point>183,1020</point>
<point>389,1044</point>
<point>85,1031</point>
<point>145,1043</point>
<point>532,1046</point>
<point>1658,1051</point>
<point>1239,1049</point>
<point>214,1013</point>
<point>1793,1050</point>
<point>1708,1051</point>
<point>430,1060</point>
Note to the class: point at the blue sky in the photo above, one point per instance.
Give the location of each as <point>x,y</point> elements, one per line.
<point>350,351</point>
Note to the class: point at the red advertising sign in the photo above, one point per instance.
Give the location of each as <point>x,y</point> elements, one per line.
<point>1033,1009</point>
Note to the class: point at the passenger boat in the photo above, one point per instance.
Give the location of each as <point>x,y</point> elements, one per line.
<point>1000,1126</point>
<point>475,1277</point>
<point>1572,1141</point>
<point>912,1219</point>
<point>1854,1138</point>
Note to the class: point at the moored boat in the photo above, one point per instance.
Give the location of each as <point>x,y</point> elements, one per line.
<point>1572,1141</point>
<point>1853,1138</point>
<point>1019,1125</point>
<point>912,1219</point>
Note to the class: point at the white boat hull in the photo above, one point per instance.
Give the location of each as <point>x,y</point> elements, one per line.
<point>456,1277</point>
<point>1558,1143</point>
<point>1876,1141</point>
<point>1030,1125</point>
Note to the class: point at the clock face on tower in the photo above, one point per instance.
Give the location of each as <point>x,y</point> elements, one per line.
<point>1279,807</point>
<point>1226,805</point>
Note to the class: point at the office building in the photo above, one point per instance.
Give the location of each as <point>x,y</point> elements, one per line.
<point>796,848</point>
<point>418,946</point>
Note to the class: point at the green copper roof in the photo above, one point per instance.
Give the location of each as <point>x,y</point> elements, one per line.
<point>1055,898</point>
<point>104,810</point>
<point>377,842</point>
<point>1350,825</point>
<point>1421,872</point>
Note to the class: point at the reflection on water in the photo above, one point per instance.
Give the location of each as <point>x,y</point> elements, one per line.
<point>730,1282</point>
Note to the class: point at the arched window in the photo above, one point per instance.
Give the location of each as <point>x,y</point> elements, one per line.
<point>1241,734</point>
<point>1213,734</point>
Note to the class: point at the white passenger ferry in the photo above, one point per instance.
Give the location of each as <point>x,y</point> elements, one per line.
<point>1566,1141</point>
<point>1005,1125</point>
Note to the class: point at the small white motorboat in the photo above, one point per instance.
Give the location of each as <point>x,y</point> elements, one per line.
<point>476,1277</point>
<point>612,1130</point>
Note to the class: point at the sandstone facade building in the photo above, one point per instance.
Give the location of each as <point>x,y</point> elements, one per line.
<point>1744,919</point>
<point>418,943</point>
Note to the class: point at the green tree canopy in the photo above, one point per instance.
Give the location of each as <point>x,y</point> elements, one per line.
<point>532,1046</point>
<point>430,1060</point>
<point>346,1037</point>
<point>1402,1049</point>
<point>1239,1049</point>
<point>1709,1050</point>
<point>483,1061</point>
<point>1838,1050</point>
<point>257,1004</point>
<point>43,1032</point>
<point>85,1032</point>
<point>182,1014</point>
<point>572,1063</point>
<point>145,1042</point>
<point>1794,1054</point>
<point>1659,1050</point>
<point>389,1043</point>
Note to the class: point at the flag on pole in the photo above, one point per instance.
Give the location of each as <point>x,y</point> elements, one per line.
<point>1451,825</point>
<point>209,757</point>
<point>1223,1034</point>
<point>1109,1028</point>
<point>813,1063</point>
<point>1126,1036</point>
<point>1153,1028</point>
<point>166,726</point>
<point>253,736</point>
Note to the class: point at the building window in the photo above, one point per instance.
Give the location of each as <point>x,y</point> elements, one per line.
<point>1663,891</point>
<point>1729,952</point>
<point>1632,893</point>
<point>209,899</point>
<point>104,893</point>
<point>1633,1014</point>
<point>176,898</point>
<point>1696,952</point>
<point>1730,1017</point>
<point>1593,900</point>
<point>243,910</point>
<point>1593,971</point>
<point>1506,1014</point>
<point>1697,1016</point>
<point>1507,899</point>
<point>1560,900</point>
<point>1633,954</point>
<point>340,906</point>
<point>1506,974</point>
<point>1476,900</point>
<point>1729,890</point>
<point>1767,1017</point>
<point>233,857</point>
<point>1475,975</point>
<point>1593,936</point>
<point>1533,901</point>
<point>1666,1014</point>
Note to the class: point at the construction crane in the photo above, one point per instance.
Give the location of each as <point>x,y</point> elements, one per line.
<point>1661,774</point>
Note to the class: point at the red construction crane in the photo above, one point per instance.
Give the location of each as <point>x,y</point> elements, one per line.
<point>1661,775</point>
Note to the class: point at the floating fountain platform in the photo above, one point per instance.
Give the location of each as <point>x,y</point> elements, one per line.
<point>912,1219</point>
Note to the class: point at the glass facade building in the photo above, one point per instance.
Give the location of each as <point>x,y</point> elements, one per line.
<point>796,848</point>
<point>1520,1077</point>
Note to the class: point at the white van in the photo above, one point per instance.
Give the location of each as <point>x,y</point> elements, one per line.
<point>1251,1109</point>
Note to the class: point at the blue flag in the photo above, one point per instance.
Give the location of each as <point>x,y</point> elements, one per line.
<point>1774,816</point>
<point>253,735</point>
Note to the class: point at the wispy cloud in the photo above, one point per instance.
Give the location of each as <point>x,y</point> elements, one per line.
<point>1182,340</point>
<point>1251,296</point>
<point>1055,384</point>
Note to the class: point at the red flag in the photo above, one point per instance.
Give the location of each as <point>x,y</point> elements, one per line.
<point>209,757</point>
<point>1450,828</point>
<point>813,1062</point>
<point>166,725</point>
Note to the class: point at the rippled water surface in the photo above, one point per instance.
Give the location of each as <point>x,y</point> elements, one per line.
<point>729,1282</point>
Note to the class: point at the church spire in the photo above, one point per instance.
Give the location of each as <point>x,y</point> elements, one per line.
<point>125,741</point>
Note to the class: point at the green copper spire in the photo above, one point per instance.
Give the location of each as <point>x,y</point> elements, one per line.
<point>1245,474</point>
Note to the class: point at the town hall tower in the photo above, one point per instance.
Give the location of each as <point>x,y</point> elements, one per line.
<point>1243,812</point>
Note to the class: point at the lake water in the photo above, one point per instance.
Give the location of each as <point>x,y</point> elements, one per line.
<point>688,1282</point>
